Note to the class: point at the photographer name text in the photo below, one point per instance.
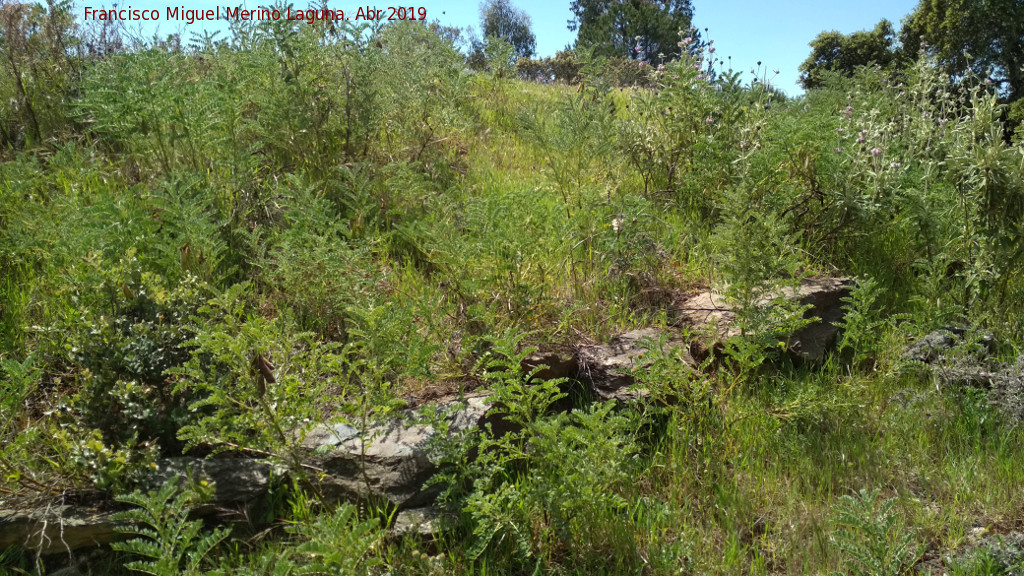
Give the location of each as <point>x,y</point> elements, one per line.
<point>191,16</point>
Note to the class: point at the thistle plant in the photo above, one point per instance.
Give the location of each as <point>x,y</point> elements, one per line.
<point>869,537</point>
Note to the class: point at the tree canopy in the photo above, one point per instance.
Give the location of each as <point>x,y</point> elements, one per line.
<point>985,37</point>
<point>836,52</point>
<point>501,19</point>
<point>639,29</point>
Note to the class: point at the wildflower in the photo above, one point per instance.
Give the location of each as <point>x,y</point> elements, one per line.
<point>876,151</point>
<point>638,48</point>
<point>743,144</point>
<point>709,120</point>
<point>617,224</point>
<point>711,50</point>
<point>687,40</point>
<point>925,115</point>
<point>894,165</point>
<point>661,55</point>
<point>860,140</point>
<point>643,63</point>
<point>942,121</point>
<point>848,112</point>
<point>863,132</point>
<point>696,67</point>
<point>661,67</point>
<point>838,150</point>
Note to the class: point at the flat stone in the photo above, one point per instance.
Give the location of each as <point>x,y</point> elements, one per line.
<point>824,296</point>
<point>236,480</point>
<point>54,529</point>
<point>425,522</point>
<point>390,461</point>
<point>608,368</point>
<point>556,365</point>
<point>939,344</point>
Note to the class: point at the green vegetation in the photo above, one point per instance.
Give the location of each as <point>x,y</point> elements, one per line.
<point>844,53</point>
<point>208,247</point>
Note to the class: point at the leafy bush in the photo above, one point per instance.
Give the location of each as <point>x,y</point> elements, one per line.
<point>126,389</point>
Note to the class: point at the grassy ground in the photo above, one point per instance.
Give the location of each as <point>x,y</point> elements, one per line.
<point>373,220</point>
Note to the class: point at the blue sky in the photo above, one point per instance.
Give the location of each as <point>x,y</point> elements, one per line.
<point>775,33</point>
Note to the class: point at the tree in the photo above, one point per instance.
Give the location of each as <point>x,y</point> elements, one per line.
<point>985,37</point>
<point>638,29</point>
<point>836,52</point>
<point>500,18</point>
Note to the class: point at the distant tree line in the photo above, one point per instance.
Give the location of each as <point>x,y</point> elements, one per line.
<point>984,38</point>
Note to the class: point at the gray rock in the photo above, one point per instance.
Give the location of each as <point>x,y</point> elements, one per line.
<point>607,368</point>
<point>425,522</point>
<point>557,365</point>
<point>236,480</point>
<point>1006,391</point>
<point>389,461</point>
<point>713,311</point>
<point>940,344</point>
<point>931,346</point>
<point>825,296</point>
<point>56,528</point>
<point>1002,552</point>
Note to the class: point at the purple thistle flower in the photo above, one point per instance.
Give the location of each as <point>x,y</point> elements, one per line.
<point>876,151</point>
<point>860,140</point>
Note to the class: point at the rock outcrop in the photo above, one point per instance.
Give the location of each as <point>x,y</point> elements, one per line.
<point>56,528</point>
<point>608,368</point>
<point>389,461</point>
<point>392,461</point>
<point>715,313</point>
